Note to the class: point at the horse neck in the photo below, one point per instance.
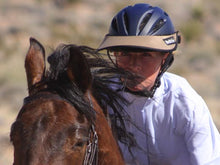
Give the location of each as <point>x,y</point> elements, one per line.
<point>109,152</point>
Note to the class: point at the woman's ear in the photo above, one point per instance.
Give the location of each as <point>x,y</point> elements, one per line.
<point>165,55</point>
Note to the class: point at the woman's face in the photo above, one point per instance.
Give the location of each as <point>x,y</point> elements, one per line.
<point>145,64</point>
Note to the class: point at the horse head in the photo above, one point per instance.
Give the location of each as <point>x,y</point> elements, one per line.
<point>60,117</point>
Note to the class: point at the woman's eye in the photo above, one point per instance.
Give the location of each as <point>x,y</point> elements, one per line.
<point>146,55</point>
<point>124,54</point>
<point>121,54</point>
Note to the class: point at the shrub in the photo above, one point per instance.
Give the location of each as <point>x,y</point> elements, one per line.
<point>197,13</point>
<point>192,30</point>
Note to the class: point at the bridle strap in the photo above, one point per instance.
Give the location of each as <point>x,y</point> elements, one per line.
<point>91,155</point>
<point>168,62</point>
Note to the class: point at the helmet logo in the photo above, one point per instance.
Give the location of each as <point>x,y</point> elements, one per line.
<point>169,41</point>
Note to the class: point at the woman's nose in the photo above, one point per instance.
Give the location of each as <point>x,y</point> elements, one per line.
<point>134,63</point>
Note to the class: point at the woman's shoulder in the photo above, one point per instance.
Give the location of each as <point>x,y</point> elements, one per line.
<point>173,78</point>
<point>172,82</point>
<point>179,87</point>
<point>181,94</point>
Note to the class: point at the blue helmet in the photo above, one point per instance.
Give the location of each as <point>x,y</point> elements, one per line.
<point>142,26</point>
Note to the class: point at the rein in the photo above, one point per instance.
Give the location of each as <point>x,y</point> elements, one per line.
<point>91,155</point>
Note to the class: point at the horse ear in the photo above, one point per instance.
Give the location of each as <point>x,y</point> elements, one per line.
<point>78,69</point>
<point>34,63</point>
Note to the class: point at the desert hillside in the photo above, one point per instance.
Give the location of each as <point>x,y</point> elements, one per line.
<point>85,22</point>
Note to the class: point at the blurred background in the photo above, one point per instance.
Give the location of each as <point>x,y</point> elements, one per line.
<point>85,22</point>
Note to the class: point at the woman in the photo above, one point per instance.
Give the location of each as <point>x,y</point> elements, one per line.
<point>170,122</point>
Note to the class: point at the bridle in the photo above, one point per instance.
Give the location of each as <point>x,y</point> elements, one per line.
<point>91,155</point>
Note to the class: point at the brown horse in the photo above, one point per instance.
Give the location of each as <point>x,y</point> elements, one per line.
<point>61,122</point>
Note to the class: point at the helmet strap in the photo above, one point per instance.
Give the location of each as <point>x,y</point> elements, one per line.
<point>167,63</point>
<point>111,58</point>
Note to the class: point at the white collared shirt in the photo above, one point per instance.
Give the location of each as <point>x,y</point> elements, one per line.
<point>174,127</point>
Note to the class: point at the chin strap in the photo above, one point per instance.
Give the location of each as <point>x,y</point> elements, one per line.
<point>168,62</point>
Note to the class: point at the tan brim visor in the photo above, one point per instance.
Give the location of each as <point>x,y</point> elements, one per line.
<point>160,43</point>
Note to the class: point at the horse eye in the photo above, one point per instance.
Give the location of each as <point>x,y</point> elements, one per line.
<point>78,145</point>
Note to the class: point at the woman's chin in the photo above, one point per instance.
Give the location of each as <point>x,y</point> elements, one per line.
<point>135,88</point>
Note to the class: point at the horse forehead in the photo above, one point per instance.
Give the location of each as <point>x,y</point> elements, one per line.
<point>52,111</point>
<point>46,119</point>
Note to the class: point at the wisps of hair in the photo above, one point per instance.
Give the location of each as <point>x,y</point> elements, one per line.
<point>106,79</point>
<point>57,81</point>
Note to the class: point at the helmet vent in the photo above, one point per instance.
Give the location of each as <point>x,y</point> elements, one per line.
<point>145,21</point>
<point>126,23</point>
<point>114,25</point>
<point>158,25</point>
